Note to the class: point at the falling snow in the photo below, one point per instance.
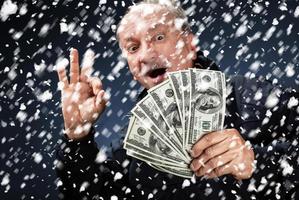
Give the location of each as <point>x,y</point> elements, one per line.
<point>250,38</point>
<point>8,8</point>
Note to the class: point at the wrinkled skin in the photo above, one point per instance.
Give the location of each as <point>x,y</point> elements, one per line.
<point>153,41</point>
<point>82,97</point>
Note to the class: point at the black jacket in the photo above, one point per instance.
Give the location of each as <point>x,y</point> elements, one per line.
<point>273,132</point>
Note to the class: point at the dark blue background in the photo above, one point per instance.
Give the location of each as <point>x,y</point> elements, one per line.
<point>40,130</point>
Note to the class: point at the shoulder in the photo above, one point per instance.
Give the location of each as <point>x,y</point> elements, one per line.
<point>252,90</point>
<point>258,95</point>
<point>242,83</point>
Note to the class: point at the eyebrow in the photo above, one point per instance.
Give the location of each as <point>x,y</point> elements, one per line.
<point>129,39</point>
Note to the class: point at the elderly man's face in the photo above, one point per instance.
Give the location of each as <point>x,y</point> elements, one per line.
<point>154,44</point>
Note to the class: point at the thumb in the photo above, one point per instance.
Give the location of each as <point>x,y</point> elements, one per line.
<point>100,102</point>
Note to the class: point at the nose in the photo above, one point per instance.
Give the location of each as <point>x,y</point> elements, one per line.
<point>148,54</point>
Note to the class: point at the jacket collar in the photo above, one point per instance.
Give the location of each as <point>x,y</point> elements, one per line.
<point>203,62</point>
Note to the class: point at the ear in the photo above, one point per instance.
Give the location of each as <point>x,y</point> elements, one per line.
<point>191,44</point>
<point>134,77</point>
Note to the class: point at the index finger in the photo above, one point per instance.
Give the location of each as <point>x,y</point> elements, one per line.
<point>74,69</point>
<point>207,141</point>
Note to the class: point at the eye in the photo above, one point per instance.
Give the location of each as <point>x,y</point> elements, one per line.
<point>160,37</point>
<point>132,48</point>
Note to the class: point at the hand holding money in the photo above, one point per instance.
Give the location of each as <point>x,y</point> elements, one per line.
<point>173,116</point>
<point>222,152</point>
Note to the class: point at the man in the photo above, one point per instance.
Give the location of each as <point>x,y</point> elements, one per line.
<point>160,41</point>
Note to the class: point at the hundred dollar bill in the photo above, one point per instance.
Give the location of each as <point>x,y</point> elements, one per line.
<point>207,103</point>
<point>150,109</point>
<point>176,82</point>
<point>163,136</point>
<point>186,99</point>
<point>146,141</point>
<point>185,173</point>
<point>163,96</point>
<point>149,158</point>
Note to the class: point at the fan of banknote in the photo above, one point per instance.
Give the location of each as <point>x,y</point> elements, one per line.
<point>173,115</point>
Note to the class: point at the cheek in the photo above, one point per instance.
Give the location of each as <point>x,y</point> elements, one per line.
<point>135,72</point>
<point>133,69</point>
<point>184,57</point>
<point>133,66</point>
<point>179,47</point>
<point>165,58</point>
<point>167,54</point>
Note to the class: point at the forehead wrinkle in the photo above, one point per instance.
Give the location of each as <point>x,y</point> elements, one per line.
<point>161,18</point>
<point>156,26</point>
<point>146,29</point>
<point>151,28</point>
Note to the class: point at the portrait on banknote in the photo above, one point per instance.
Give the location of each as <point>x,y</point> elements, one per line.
<point>208,101</point>
<point>157,146</point>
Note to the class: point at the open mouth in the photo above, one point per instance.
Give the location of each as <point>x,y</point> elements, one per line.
<point>157,72</point>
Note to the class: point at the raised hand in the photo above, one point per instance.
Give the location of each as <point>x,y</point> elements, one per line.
<point>82,98</point>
